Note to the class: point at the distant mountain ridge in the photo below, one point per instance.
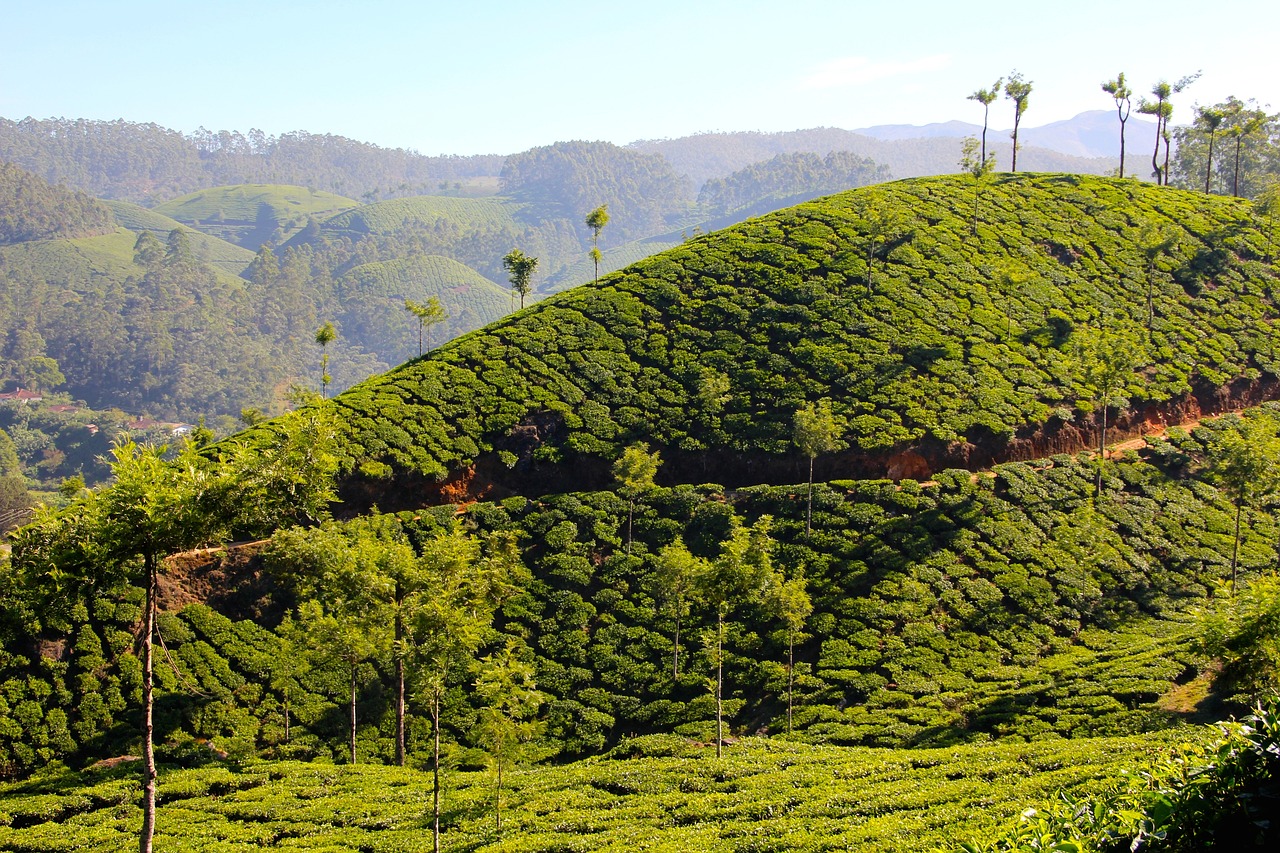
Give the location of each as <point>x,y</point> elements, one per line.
<point>1095,133</point>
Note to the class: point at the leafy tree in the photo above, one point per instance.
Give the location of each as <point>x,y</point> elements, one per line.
<point>980,167</point>
<point>1242,121</point>
<point>343,591</point>
<point>741,572</point>
<point>1267,207</point>
<point>153,509</point>
<point>325,335</point>
<point>596,221</point>
<point>676,576</point>
<point>511,698</point>
<point>815,430</point>
<point>986,97</point>
<point>463,582</point>
<point>1207,121</point>
<point>519,267</point>
<point>15,501</point>
<point>428,314</point>
<point>634,472</point>
<point>1245,461</point>
<point>1109,364</point>
<point>790,602</point>
<point>1017,90</point>
<point>1162,109</point>
<point>1121,94</point>
<point>1244,633</point>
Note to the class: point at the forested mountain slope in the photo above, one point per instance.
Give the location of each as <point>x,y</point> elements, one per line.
<point>957,345</point>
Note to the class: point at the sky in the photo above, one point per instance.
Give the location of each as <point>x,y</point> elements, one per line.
<point>501,76</point>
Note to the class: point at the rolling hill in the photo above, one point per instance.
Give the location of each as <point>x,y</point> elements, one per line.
<point>971,572</point>
<point>222,254</point>
<point>953,349</point>
<point>249,215</point>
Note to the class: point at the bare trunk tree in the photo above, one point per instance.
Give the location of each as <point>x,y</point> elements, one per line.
<point>148,704</point>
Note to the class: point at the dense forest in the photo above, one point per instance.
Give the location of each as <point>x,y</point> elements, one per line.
<point>146,163</point>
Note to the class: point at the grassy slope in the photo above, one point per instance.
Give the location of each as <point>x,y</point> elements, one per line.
<point>220,253</point>
<point>107,257</point>
<point>386,216</point>
<point>247,214</point>
<point>939,355</point>
<point>764,795</point>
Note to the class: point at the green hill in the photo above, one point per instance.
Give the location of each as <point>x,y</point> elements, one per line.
<point>957,592</point>
<point>226,256</point>
<point>249,215</point>
<point>385,217</point>
<point>964,349</point>
<point>32,209</point>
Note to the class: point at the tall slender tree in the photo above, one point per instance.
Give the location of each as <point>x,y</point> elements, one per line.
<point>1242,120</point>
<point>1162,109</point>
<point>325,335</point>
<point>790,602</point>
<point>1245,461</point>
<point>634,472</point>
<point>465,581</point>
<point>980,170</point>
<point>1208,120</point>
<point>428,314</point>
<point>596,221</point>
<point>519,267</point>
<point>1017,90</point>
<point>1121,94</point>
<point>815,430</point>
<point>1109,364</point>
<point>986,97</point>
<point>741,572</point>
<point>677,572</point>
<point>510,698</point>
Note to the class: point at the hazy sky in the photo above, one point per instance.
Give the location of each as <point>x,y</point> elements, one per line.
<point>499,76</point>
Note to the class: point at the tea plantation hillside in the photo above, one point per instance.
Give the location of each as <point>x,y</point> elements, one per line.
<point>228,256</point>
<point>941,339</point>
<point>1009,605</point>
<point>249,215</point>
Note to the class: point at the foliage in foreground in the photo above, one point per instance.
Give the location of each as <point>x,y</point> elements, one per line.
<point>654,793</point>
<point>1217,794</point>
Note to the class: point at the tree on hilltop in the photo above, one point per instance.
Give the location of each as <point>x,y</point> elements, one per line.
<point>325,335</point>
<point>428,314</point>
<point>1242,120</point>
<point>1162,109</point>
<point>596,221</point>
<point>1017,90</point>
<point>1121,94</point>
<point>1207,121</point>
<point>986,97</point>
<point>519,267</point>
